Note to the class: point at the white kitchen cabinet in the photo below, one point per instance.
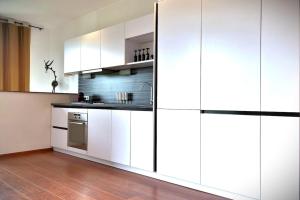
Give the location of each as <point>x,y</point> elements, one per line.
<point>178,144</point>
<point>230,71</point>
<point>72,55</point>
<point>139,26</point>
<point>280,158</point>
<point>59,138</point>
<point>60,116</point>
<point>99,130</point>
<point>90,51</point>
<point>230,153</point>
<point>179,51</point>
<point>142,140</point>
<point>280,55</point>
<point>120,137</point>
<point>113,46</point>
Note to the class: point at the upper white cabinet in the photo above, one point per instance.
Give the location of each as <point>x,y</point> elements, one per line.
<point>280,55</point>
<point>139,26</point>
<point>178,144</point>
<point>230,153</point>
<point>90,51</point>
<point>179,44</point>
<point>280,158</point>
<point>99,129</point>
<point>72,55</point>
<point>113,46</point>
<point>120,136</point>
<point>142,140</point>
<point>230,76</point>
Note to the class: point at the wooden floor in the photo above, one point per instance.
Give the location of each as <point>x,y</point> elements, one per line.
<point>51,175</point>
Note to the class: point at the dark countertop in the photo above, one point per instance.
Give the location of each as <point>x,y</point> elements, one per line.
<point>104,106</point>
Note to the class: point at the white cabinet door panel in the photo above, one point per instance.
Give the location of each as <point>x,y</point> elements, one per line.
<point>99,130</point>
<point>120,145</point>
<point>60,117</point>
<point>142,140</point>
<point>280,158</point>
<point>113,46</point>
<point>59,138</point>
<point>90,51</point>
<point>230,153</point>
<point>139,26</point>
<point>72,55</point>
<point>179,44</point>
<point>230,55</point>
<point>280,55</point>
<point>178,144</point>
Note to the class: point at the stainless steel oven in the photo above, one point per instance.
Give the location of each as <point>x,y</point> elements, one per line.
<point>77,130</point>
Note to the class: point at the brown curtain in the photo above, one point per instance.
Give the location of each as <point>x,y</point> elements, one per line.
<point>14,57</point>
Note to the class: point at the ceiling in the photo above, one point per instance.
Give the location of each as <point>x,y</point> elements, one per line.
<point>49,13</point>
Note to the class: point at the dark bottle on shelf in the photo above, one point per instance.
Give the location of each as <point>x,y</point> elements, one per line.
<point>144,55</point>
<point>147,54</point>
<point>135,56</point>
<point>140,55</point>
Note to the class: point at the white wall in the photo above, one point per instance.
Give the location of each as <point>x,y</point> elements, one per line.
<point>26,120</point>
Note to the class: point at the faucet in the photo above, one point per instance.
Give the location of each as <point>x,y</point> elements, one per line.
<point>151,91</point>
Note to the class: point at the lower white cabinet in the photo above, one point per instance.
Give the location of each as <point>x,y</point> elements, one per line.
<point>178,144</point>
<point>120,137</point>
<point>230,153</point>
<point>280,158</point>
<point>99,133</point>
<point>142,140</point>
<point>59,138</point>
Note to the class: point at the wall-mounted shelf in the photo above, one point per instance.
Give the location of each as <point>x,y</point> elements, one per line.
<point>133,65</point>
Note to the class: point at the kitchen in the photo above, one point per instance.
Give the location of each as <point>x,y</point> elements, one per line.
<point>200,94</point>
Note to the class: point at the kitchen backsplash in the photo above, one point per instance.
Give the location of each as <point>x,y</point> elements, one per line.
<point>107,85</point>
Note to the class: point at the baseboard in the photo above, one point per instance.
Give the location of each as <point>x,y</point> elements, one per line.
<point>26,152</point>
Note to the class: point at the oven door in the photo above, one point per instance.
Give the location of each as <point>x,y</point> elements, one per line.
<point>77,135</point>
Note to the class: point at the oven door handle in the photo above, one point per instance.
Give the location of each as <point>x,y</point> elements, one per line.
<point>78,123</point>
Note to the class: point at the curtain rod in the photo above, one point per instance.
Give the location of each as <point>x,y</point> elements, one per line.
<point>20,23</point>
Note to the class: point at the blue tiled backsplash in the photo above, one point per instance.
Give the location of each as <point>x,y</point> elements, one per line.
<point>107,85</point>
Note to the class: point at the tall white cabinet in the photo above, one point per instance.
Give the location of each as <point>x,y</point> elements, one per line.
<point>179,44</point>
<point>280,93</point>
<point>178,144</point>
<point>178,92</point>
<point>230,153</point>
<point>230,70</point>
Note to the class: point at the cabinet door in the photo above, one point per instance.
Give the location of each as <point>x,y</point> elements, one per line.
<point>59,138</point>
<point>179,44</point>
<point>230,153</point>
<point>280,56</point>
<point>60,117</point>
<point>113,46</point>
<point>230,55</point>
<point>90,51</point>
<point>178,144</point>
<point>280,158</point>
<point>120,152</point>
<point>99,130</point>
<point>139,26</point>
<point>142,140</point>
<point>72,55</point>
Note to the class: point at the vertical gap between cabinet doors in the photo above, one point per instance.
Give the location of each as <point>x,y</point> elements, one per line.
<point>155,87</point>
<point>299,92</point>
<point>260,101</point>
<point>201,39</point>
